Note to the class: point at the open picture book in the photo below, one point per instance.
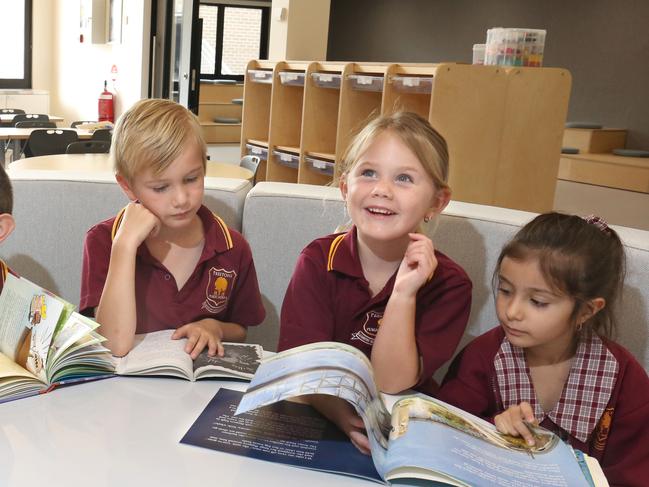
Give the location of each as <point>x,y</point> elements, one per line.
<point>157,354</point>
<point>420,440</point>
<point>44,342</point>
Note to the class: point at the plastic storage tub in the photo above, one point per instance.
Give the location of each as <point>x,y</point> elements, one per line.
<point>327,80</point>
<point>255,150</point>
<point>261,76</point>
<point>291,78</point>
<point>413,84</point>
<point>366,82</point>
<point>287,159</point>
<point>320,165</point>
<point>515,47</point>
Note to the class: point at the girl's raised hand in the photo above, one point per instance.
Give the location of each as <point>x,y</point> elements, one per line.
<point>513,421</point>
<point>418,265</point>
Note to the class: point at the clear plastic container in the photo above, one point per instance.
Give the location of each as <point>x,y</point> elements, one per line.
<point>366,82</point>
<point>413,84</point>
<point>287,159</point>
<point>320,165</point>
<point>255,150</point>
<point>291,78</point>
<point>515,47</point>
<point>327,80</point>
<point>478,53</point>
<point>261,76</point>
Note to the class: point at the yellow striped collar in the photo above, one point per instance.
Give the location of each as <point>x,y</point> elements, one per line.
<point>202,213</point>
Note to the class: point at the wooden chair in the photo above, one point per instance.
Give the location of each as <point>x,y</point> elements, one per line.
<point>251,163</point>
<point>47,142</point>
<point>88,147</point>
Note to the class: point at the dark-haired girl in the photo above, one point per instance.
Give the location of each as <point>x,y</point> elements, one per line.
<point>551,361</point>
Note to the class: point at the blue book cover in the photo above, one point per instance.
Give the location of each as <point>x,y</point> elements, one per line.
<point>283,432</point>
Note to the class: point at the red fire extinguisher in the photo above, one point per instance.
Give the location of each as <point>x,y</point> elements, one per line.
<point>106,105</point>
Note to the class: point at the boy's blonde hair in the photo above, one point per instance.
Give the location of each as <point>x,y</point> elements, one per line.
<point>415,132</point>
<point>152,134</point>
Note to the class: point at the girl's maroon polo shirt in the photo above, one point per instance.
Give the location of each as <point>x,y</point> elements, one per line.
<point>223,286</point>
<point>328,299</point>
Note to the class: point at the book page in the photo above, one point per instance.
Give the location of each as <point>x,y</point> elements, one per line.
<point>14,301</point>
<point>239,360</point>
<point>15,381</point>
<point>25,306</point>
<point>328,368</point>
<point>156,353</point>
<point>429,435</point>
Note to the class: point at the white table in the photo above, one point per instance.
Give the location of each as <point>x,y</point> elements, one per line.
<point>100,163</point>
<point>8,117</point>
<point>16,135</point>
<point>125,431</point>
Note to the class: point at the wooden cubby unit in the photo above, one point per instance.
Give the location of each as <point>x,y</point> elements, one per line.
<point>503,125</point>
<point>216,102</point>
<point>255,117</point>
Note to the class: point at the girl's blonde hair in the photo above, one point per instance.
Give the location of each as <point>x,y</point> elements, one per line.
<point>152,134</point>
<point>415,132</point>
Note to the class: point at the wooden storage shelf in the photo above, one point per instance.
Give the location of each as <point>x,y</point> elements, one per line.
<point>602,140</point>
<point>610,170</point>
<point>285,120</point>
<point>216,101</point>
<point>503,125</point>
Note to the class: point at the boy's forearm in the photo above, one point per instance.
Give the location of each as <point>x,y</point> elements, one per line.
<point>395,357</point>
<point>116,312</point>
<point>232,332</point>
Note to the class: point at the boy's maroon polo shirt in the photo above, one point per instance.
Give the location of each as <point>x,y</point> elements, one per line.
<point>223,285</point>
<point>328,299</point>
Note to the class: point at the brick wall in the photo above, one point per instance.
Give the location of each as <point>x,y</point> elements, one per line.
<point>241,35</point>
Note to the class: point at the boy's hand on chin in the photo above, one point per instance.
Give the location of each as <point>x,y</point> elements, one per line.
<point>138,223</point>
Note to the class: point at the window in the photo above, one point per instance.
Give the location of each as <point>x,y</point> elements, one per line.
<point>16,32</point>
<point>232,36</point>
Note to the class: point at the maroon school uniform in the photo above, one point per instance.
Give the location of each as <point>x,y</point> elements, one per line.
<point>223,286</point>
<point>603,410</point>
<point>328,299</point>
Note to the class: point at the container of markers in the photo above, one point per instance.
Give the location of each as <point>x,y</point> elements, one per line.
<point>515,47</point>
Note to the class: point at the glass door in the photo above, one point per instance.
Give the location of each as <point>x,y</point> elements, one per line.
<point>176,45</point>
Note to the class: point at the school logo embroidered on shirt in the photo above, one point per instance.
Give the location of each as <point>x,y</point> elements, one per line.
<point>219,287</point>
<point>371,326</point>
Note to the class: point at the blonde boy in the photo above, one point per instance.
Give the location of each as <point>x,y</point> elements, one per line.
<point>7,223</point>
<point>165,261</point>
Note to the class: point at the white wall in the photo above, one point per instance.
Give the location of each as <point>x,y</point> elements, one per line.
<point>74,72</point>
<point>303,34</point>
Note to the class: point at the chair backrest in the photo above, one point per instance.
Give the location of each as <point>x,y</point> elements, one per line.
<point>79,122</point>
<point>251,163</point>
<point>30,124</point>
<point>102,134</point>
<point>9,111</point>
<point>88,147</point>
<point>46,142</point>
<point>30,117</point>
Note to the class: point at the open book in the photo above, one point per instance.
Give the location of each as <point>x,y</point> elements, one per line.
<point>157,354</point>
<point>44,342</point>
<point>421,439</point>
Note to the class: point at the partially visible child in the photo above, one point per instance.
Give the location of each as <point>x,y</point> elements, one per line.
<point>166,261</point>
<point>7,222</point>
<point>550,361</point>
<point>381,286</point>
